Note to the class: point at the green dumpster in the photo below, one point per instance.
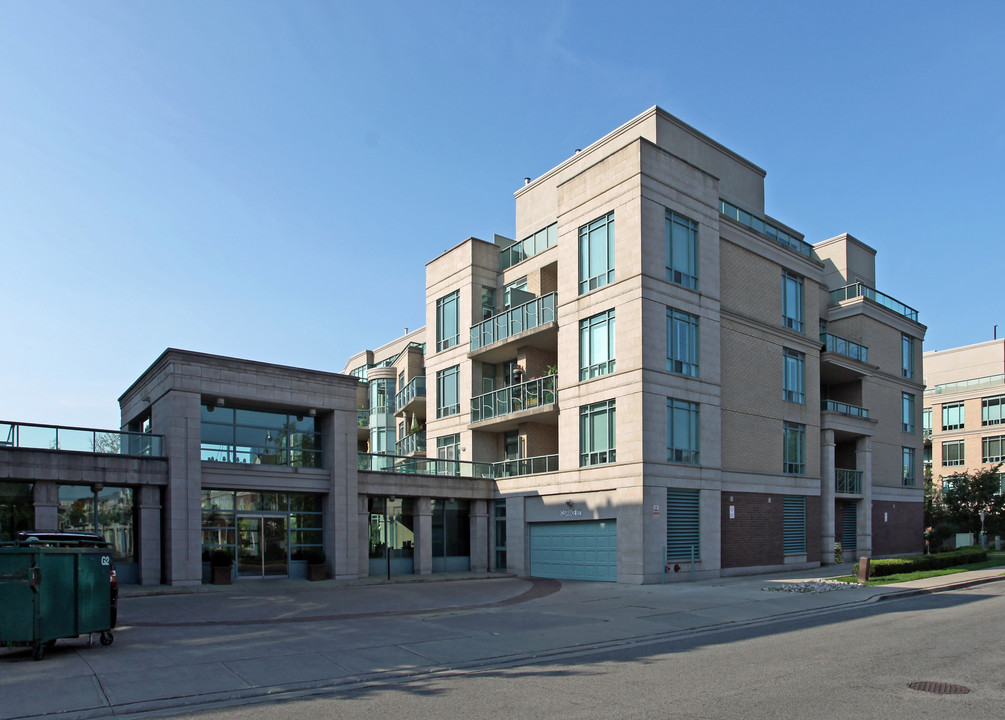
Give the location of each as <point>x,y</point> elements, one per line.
<point>52,593</point>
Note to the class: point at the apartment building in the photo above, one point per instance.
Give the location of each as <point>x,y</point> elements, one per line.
<point>963,418</point>
<point>661,379</point>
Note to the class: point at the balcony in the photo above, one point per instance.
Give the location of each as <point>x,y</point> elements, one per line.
<point>849,292</point>
<point>412,394</point>
<point>763,227</point>
<point>844,409</point>
<point>972,384</point>
<point>841,346</point>
<point>525,466</point>
<point>847,482</point>
<point>75,439</point>
<point>414,443</point>
<point>518,322</point>
<point>423,466</point>
<point>529,246</point>
<point>536,393</point>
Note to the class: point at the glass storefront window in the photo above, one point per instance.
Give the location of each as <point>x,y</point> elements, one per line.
<point>17,512</point>
<point>392,535</point>
<point>115,519</point>
<point>451,535</point>
<point>259,437</point>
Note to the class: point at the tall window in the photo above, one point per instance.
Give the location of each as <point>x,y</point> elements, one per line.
<point>682,343</point>
<point>907,356</point>
<point>993,449</point>
<point>596,345</point>
<point>794,376</point>
<point>952,416</point>
<point>926,421</point>
<point>952,452</point>
<point>792,301</point>
<point>683,524</point>
<point>447,324</point>
<point>682,250</point>
<point>683,432</point>
<point>907,410</point>
<point>793,524</point>
<point>488,302</point>
<point>447,392</point>
<point>597,434</point>
<point>596,254</point>
<point>908,473</point>
<point>794,461</point>
<point>991,410</point>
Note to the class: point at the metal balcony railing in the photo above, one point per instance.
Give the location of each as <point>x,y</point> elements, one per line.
<point>859,290</point>
<point>527,316</point>
<point>841,346</point>
<point>525,466</point>
<point>526,395</point>
<point>415,389</point>
<point>843,408</point>
<point>416,442</point>
<point>423,466</point>
<point>847,482</point>
<point>75,439</point>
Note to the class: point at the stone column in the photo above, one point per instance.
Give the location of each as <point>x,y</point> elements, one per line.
<point>828,480</point>
<point>363,536</point>
<point>148,501</point>
<point>479,543</point>
<point>863,461</point>
<point>422,514</point>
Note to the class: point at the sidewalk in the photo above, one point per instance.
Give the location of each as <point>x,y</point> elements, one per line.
<point>181,649</point>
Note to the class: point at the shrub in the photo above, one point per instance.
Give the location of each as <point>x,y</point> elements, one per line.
<point>221,558</point>
<point>314,556</point>
<point>919,563</point>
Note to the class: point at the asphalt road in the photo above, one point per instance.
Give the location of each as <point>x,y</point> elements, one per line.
<point>853,662</point>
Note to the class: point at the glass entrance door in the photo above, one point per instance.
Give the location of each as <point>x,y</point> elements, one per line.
<point>261,546</point>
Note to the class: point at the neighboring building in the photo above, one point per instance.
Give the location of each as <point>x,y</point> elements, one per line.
<point>656,379</point>
<point>964,411</point>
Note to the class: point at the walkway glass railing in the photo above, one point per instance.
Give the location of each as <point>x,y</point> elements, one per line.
<point>765,228</point>
<point>60,437</point>
<point>307,456</point>
<point>847,482</point>
<point>415,389</point>
<point>457,468</point>
<point>841,346</point>
<point>529,246</point>
<point>416,442</point>
<point>526,395</point>
<point>843,408</point>
<point>859,290</point>
<point>514,321</point>
<point>967,384</point>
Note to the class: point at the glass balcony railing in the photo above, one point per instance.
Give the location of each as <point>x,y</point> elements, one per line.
<point>763,227</point>
<point>423,466</point>
<point>59,437</point>
<point>841,346</point>
<point>415,389</point>
<point>529,246</point>
<point>843,408</point>
<point>514,321</point>
<point>847,482</point>
<point>859,290</point>
<point>971,384</point>
<point>411,444</point>
<point>525,466</point>
<point>526,395</point>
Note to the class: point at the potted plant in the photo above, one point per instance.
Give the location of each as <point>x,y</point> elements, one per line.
<point>315,558</point>
<point>221,562</point>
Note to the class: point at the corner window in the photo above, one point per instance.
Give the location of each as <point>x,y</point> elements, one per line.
<point>683,432</point>
<point>952,453</point>
<point>682,250</point>
<point>908,472</point>
<point>794,461</point>
<point>794,376</point>
<point>792,301</point>
<point>596,254</point>
<point>907,412</point>
<point>447,392</point>
<point>597,434</point>
<point>596,345</point>
<point>682,343</point>
<point>447,321</point>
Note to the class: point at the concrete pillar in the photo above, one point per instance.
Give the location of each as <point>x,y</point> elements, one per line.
<point>45,498</point>
<point>828,483</point>
<point>517,552</point>
<point>148,502</point>
<point>863,462</point>
<point>363,536</point>
<point>479,543</point>
<point>342,532</point>
<point>422,516</point>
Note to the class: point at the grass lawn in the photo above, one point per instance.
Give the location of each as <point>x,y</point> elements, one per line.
<point>994,560</point>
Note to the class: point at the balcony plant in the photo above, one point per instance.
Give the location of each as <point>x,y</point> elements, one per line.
<point>316,559</point>
<point>221,564</point>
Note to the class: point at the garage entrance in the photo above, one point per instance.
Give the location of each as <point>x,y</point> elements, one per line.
<point>586,550</point>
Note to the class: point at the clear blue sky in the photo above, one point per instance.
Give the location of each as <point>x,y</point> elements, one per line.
<point>268,179</point>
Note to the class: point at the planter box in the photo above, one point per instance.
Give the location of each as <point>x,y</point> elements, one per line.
<point>221,576</point>
<point>316,572</point>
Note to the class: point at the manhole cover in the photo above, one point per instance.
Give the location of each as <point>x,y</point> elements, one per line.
<point>939,688</point>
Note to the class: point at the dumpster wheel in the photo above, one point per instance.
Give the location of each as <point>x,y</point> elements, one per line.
<point>107,638</point>
<point>37,650</point>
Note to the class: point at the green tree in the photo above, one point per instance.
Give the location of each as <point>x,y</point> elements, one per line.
<point>967,495</point>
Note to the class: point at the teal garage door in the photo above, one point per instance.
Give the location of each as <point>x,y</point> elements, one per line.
<point>575,550</point>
